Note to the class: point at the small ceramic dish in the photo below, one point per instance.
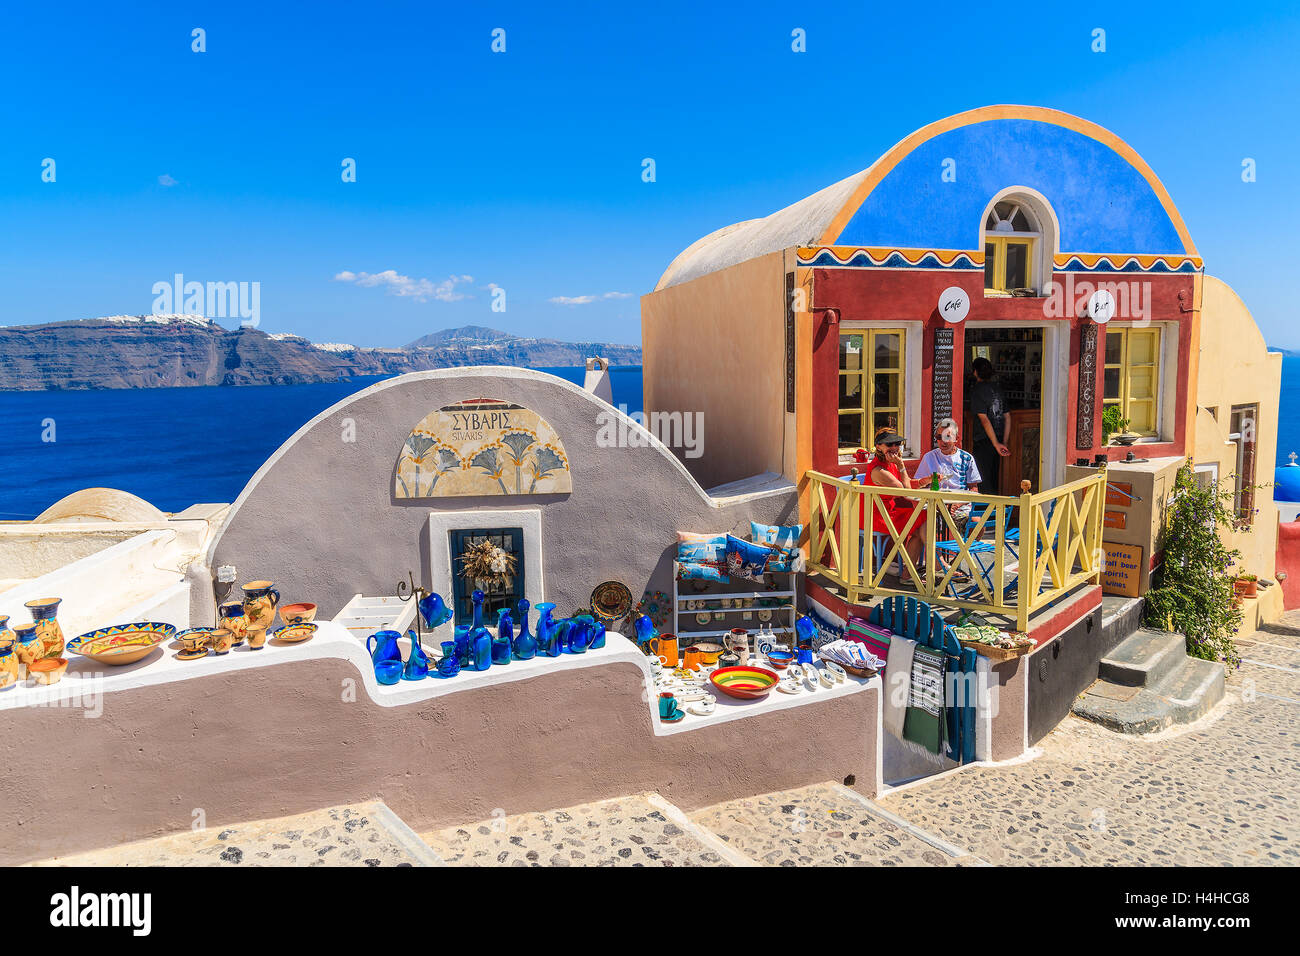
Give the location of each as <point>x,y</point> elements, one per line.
<point>196,638</point>
<point>122,643</point>
<point>49,670</point>
<point>795,673</point>
<point>810,679</point>
<point>192,655</point>
<point>293,633</point>
<point>300,613</point>
<point>702,708</point>
<point>789,686</point>
<point>837,672</point>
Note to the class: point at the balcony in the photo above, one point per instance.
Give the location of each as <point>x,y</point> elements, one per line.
<point>1017,555</point>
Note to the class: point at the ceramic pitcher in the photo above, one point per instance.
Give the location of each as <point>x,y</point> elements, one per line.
<point>738,643</point>
<point>45,613</point>
<point>8,664</point>
<point>260,601</point>
<point>231,617</point>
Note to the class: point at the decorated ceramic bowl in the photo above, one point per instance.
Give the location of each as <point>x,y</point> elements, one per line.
<point>49,670</point>
<point>711,651</point>
<point>780,659</point>
<point>301,613</point>
<point>292,633</point>
<point>195,638</point>
<point>745,683</point>
<point>122,643</point>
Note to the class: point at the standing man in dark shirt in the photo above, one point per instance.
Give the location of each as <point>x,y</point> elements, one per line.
<point>992,425</point>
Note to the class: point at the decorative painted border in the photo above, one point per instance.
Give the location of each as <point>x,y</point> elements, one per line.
<point>1118,262</point>
<point>876,257</point>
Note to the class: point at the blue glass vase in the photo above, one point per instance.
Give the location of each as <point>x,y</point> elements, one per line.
<point>449,665</point>
<point>645,631</point>
<point>548,638</point>
<point>385,647</point>
<point>461,644</point>
<point>417,662</point>
<point>503,643</point>
<point>525,647</point>
<point>597,635</point>
<point>579,635</point>
<point>480,638</point>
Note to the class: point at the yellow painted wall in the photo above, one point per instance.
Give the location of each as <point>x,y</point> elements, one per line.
<point>1236,368</point>
<point>716,344</point>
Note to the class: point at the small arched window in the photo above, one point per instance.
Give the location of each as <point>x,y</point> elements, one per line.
<point>1011,236</point>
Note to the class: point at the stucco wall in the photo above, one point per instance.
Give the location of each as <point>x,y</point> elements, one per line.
<point>320,518</point>
<point>277,740</point>
<point>1236,368</point>
<point>716,345</point>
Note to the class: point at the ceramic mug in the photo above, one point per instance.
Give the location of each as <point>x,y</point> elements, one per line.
<point>664,647</point>
<point>668,705</point>
<point>694,658</point>
<point>256,637</point>
<point>738,643</point>
<point>221,641</point>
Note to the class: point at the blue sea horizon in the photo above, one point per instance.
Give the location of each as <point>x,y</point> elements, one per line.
<point>173,447</point>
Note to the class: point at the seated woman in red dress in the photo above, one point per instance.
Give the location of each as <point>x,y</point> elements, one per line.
<point>887,470</point>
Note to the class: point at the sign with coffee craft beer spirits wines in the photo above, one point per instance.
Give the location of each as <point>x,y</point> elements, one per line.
<point>482,446</point>
<point>1122,571</point>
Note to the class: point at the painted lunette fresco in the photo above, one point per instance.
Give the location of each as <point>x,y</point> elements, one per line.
<point>482,446</point>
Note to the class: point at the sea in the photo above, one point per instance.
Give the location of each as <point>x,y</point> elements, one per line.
<point>173,447</point>
<point>177,446</point>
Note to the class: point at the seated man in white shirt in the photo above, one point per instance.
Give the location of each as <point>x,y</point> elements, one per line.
<point>955,467</point>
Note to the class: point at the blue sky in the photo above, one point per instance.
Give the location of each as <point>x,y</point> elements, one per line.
<point>523,169</point>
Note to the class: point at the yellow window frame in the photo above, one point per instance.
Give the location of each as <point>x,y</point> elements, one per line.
<point>1126,367</point>
<point>868,409</point>
<point>1000,244</point>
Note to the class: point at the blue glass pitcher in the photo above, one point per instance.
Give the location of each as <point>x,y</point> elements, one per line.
<point>579,635</point>
<point>548,636</point>
<point>385,647</point>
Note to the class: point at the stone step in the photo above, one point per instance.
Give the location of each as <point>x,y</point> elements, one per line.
<point>1184,695</point>
<point>636,830</point>
<point>1143,659</point>
<point>825,824</point>
<point>1120,617</point>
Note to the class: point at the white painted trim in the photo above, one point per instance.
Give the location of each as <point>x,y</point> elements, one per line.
<point>442,523</point>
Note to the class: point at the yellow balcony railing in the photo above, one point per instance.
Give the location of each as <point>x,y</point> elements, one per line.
<point>1017,554</point>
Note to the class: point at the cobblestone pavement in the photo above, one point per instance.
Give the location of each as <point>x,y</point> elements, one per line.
<point>1223,792</point>
<point>825,825</point>
<point>365,835</point>
<point>639,830</point>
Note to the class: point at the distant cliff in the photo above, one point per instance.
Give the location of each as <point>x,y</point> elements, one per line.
<point>162,351</point>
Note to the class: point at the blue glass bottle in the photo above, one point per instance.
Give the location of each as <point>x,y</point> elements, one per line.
<point>525,647</point>
<point>597,635</point>
<point>503,643</point>
<point>645,631</point>
<point>480,638</point>
<point>548,638</point>
<point>462,644</point>
<point>449,665</point>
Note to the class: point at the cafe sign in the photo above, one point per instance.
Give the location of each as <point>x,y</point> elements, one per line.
<point>482,446</point>
<point>954,304</point>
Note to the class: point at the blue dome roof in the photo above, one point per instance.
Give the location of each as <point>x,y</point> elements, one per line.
<point>1286,483</point>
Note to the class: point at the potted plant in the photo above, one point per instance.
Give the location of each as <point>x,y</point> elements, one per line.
<point>1114,424</point>
<point>1246,585</point>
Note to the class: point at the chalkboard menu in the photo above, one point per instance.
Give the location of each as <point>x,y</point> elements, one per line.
<point>1087,387</point>
<point>941,380</point>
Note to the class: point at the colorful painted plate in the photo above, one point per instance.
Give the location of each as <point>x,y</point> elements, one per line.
<point>293,633</point>
<point>122,643</point>
<point>192,655</point>
<point>610,601</point>
<point>744,683</point>
<point>673,720</point>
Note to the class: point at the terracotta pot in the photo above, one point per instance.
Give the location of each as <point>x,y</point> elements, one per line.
<point>1246,589</point>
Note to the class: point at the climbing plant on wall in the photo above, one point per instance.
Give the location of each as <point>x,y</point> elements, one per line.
<point>1192,591</point>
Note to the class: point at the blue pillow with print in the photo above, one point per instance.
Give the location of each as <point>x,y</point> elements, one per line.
<point>694,571</point>
<point>747,560</point>
<point>784,536</point>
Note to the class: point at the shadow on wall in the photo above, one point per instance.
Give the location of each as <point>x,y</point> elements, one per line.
<point>324,517</point>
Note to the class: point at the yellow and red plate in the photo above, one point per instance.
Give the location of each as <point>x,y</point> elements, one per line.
<point>122,643</point>
<point>745,683</point>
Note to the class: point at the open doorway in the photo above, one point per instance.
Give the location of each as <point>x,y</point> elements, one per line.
<point>1016,357</point>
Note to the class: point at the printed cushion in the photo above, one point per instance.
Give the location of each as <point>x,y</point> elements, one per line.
<point>701,548</point>
<point>781,536</point>
<point>694,571</point>
<point>746,559</point>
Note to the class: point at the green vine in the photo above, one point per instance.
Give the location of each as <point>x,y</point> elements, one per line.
<point>1192,591</point>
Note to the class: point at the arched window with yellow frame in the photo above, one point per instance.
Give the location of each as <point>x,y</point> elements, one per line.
<point>1011,235</point>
